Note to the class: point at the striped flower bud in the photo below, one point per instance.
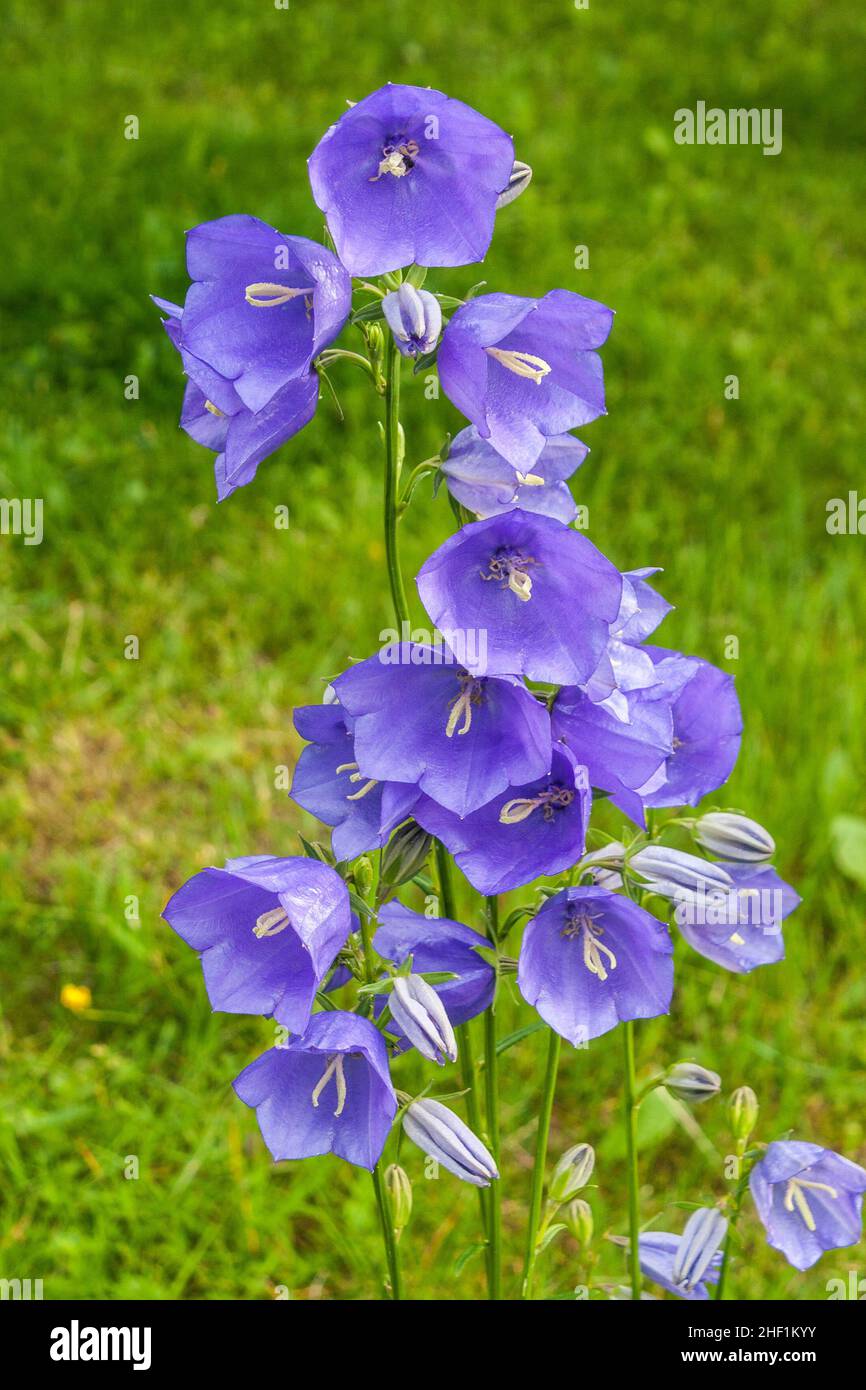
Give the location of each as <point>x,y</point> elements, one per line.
<point>439,1133</point>
<point>420,1014</point>
<point>577,1217</point>
<point>572,1172</point>
<point>399,1190</point>
<point>672,873</point>
<point>743,1109</point>
<point>734,837</point>
<point>703,1234</point>
<point>691,1082</point>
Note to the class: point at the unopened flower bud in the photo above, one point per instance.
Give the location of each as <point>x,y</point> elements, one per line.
<point>572,1172</point>
<point>734,837</point>
<point>672,873</point>
<point>420,1014</point>
<point>518,181</point>
<point>577,1216</point>
<point>691,1082</point>
<point>703,1234</point>
<point>743,1109</point>
<point>405,854</point>
<point>399,1190</point>
<point>439,1133</point>
<point>415,319</point>
<point>363,876</point>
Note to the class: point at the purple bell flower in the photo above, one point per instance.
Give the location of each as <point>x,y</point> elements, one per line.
<point>462,739</point>
<point>543,596</point>
<point>328,784</point>
<point>739,928</point>
<point>592,959</point>
<point>809,1199</point>
<point>262,305</point>
<point>524,369</point>
<point>626,666</point>
<point>481,480</point>
<point>415,318</point>
<point>214,415</point>
<point>521,834</point>
<point>409,174</point>
<point>328,1091</point>
<point>438,944</point>
<point>707,729</point>
<point>686,1264</point>
<point>440,1134</point>
<point>268,931</point>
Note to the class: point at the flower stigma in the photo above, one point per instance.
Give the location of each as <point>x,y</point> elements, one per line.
<point>582,924</point>
<point>335,1069</point>
<point>396,160</point>
<point>551,800</point>
<point>471,693</point>
<point>510,568</point>
<point>521,363</point>
<point>795,1197</point>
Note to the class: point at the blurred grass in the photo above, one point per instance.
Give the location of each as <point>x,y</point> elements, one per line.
<point>123,777</point>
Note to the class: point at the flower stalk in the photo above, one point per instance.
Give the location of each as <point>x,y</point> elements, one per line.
<point>554,1044</point>
<point>389,1238</point>
<point>630,1107</point>
<point>392,480</point>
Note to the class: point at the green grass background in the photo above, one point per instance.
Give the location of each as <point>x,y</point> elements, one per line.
<point>124,777</point>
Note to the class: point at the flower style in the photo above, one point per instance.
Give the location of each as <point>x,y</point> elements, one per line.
<point>415,319</point>
<point>481,480</point>
<point>686,1264</point>
<point>592,959</point>
<point>439,1133</point>
<point>542,594</point>
<point>267,930</point>
<point>409,174</point>
<point>438,944</point>
<point>328,1091</point>
<point>214,415</point>
<point>328,784</point>
<point>460,738</point>
<point>525,832</point>
<point>525,369</point>
<point>707,730</point>
<point>739,928</point>
<point>810,1200</point>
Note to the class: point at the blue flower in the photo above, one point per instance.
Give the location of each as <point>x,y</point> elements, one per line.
<point>686,1264</point>
<point>328,1091</point>
<point>809,1199</point>
<point>592,959</point>
<point>415,319</point>
<point>485,483</point>
<point>268,931</point>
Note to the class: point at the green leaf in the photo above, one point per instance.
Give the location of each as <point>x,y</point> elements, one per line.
<point>848,842</point>
<point>466,1255</point>
<point>512,1038</point>
<point>550,1235</point>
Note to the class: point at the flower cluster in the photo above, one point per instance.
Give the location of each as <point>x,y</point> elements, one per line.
<point>541,696</point>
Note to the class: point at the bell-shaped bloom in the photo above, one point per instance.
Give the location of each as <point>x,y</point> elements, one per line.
<point>481,480</point>
<point>543,596</point>
<point>462,739</point>
<point>328,1091</point>
<point>409,174</point>
<point>440,1134</point>
<point>267,930</point>
<point>415,318</point>
<point>522,370</point>
<point>261,306</point>
<point>620,755</point>
<point>214,415</point>
<point>732,836</point>
<point>626,666</point>
<point>436,944</point>
<point>592,959</point>
<point>328,784</point>
<point>420,1016</point>
<point>739,927</point>
<point>686,1264</point>
<point>809,1199</point>
<point>707,729</point>
<point>521,834</point>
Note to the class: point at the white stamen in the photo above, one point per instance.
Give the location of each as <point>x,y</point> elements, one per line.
<point>271,923</point>
<point>530,480</point>
<point>794,1197</point>
<point>214,410</point>
<point>273,294</point>
<point>335,1069</point>
<point>462,706</point>
<point>521,363</point>
<point>368,787</point>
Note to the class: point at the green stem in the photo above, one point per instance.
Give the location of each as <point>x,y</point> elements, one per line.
<point>388,1238</point>
<point>739,1193</point>
<point>491,1094</point>
<point>392,480</point>
<point>630,1108</point>
<point>542,1133</point>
